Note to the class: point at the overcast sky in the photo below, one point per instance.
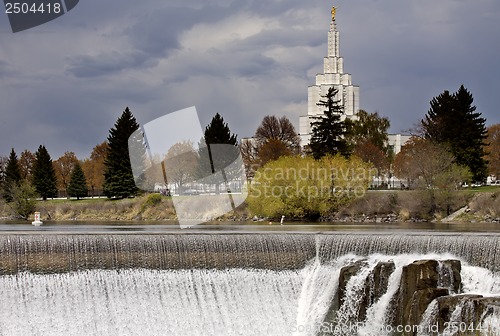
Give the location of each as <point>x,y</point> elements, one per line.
<point>64,84</point>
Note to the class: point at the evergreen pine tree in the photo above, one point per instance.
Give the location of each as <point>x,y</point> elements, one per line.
<point>218,132</point>
<point>12,175</point>
<point>44,175</point>
<point>213,158</point>
<point>77,186</point>
<point>453,120</point>
<point>439,122</point>
<point>468,148</point>
<point>118,177</point>
<point>328,131</point>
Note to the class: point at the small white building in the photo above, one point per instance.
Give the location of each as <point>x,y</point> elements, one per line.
<point>492,180</point>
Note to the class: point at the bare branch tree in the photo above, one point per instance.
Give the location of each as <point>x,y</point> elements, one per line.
<point>278,129</point>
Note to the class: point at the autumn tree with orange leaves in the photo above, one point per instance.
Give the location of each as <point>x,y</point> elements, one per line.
<point>93,168</point>
<point>493,150</point>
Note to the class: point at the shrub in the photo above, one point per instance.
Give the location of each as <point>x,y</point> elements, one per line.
<point>152,200</point>
<point>304,187</point>
<point>23,199</point>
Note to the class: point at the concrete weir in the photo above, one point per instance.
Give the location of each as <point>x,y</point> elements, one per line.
<point>228,283</point>
<point>53,253</point>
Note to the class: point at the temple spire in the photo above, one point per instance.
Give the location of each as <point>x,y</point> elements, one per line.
<point>333,75</point>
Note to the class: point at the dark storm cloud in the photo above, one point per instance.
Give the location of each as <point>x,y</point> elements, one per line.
<point>5,69</point>
<point>106,64</point>
<point>65,83</point>
<point>404,53</point>
<point>157,31</point>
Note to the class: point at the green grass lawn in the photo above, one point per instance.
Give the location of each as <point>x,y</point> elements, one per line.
<point>482,189</point>
<point>73,200</point>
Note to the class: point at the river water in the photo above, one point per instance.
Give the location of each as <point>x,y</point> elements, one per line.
<point>253,227</point>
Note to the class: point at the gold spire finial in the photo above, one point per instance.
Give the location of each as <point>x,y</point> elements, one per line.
<point>334,11</point>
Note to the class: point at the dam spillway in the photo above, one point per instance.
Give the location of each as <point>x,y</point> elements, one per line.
<point>60,252</point>
<point>229,283</point>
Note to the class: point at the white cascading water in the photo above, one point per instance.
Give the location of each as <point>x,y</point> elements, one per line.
<point>319,284</point>
<point>475,280</point>
<point>273,290</point>
<point>376,314</point>
<point>428,318</point>
<point>146,302</point>
<point>202,302</point>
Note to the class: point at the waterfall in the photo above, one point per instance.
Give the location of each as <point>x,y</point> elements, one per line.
<point>234,284</point>
<point>480,280</point>
<point>148,302</point>
<point>320,282</point>
<point>61,253</point>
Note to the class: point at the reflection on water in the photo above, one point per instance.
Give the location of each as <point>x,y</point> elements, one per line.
<point>250,227</point>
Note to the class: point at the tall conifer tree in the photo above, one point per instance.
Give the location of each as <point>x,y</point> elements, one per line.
<point>44,175</point>
<point>77,186</point>
<point>328,131</point>
<point>453,120</point>
<point>12,175</point>
<point>118,177</point>
<point>213,158</point>
<point>218,132</point>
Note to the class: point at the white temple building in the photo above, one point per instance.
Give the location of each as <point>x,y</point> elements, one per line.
<point>397,141</point>
<point>333,76</point>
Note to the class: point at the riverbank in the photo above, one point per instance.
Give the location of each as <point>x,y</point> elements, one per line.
<point>469,206</point>
<point>375,206</point>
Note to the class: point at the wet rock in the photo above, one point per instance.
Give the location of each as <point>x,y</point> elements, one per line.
<point>375,285</point>
<point>465,310</point>
<point>379,280</point>
<point>419,275</point>
<point>346,273</point>
<point>419,302</point>
<point>421,282</point>
<point>450,275</point>
<point>446,306</point>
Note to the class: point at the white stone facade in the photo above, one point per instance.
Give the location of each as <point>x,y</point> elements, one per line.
<point>333,76</point>
<point>396,141</point>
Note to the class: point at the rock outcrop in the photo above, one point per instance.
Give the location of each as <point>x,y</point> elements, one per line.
<point>469,310</point>
<point>374,286</point>
<point>421,282</point>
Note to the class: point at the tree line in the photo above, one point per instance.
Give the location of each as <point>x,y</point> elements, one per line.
<point>450,146</point>
<point>452,134</point>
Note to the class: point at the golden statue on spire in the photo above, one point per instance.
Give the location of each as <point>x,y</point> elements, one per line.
<point>334,11</point>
